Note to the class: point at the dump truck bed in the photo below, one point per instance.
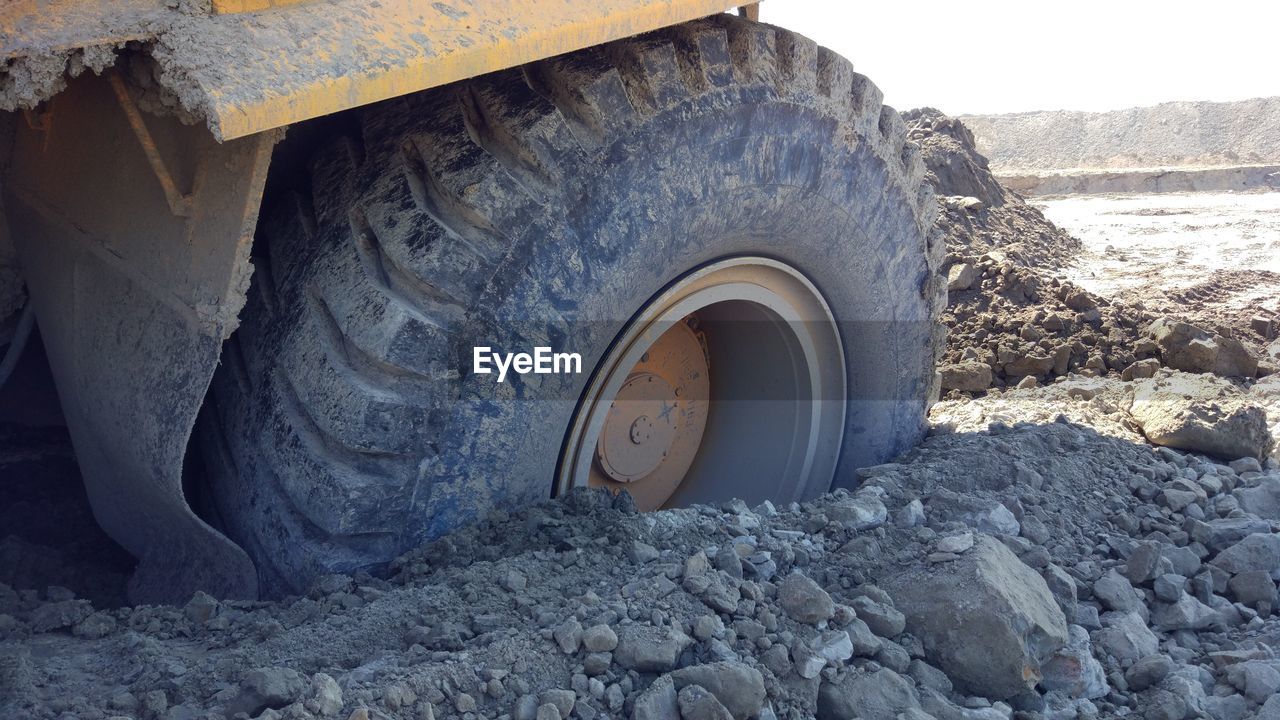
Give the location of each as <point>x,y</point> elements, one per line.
<point>245,72</point>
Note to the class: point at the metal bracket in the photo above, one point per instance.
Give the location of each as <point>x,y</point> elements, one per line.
<point>179,202</point>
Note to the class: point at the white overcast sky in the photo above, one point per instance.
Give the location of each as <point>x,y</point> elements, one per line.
<point>979,56</point>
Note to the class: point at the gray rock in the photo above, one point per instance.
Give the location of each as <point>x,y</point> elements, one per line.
<point>1169,587</point>
<point>1270,709</point>
<point>1143,564</point>
<point>1125,637</point>
<point>1186,684</point>
<point>884,620</point>
<point>861,512</point>
<point>1256,552</point>
<point>929,676</point>
<point>804,600</point>
<point>982,514</point>
<point>1160,704</point>
<point>1257,679</point>
<point>1253,587</point>
<point>910,515</point>
<point>1182,560</point>
<point>1063,587</point>
<point>986,619</point>
<point>1263,499</point>
<point>1231,707</point>
<point>547,711</point>
<point>200,608</point>
<point>955,544</point>
<point>1087,617</point>
<point>59,615</point>
<point>327,695</point>
<point>865,642</point>
<point>658,701</point>
<point>596,664</point>
<point>562,700</point>
<point>1176,499</point>
<point>698,704</point>
<point>641,552</point>
<point>599,639</point>
<point>268,687</point>
<point>97,625</point>
<point>1115,592</point>
<point>894,656</point>
<point>1218,535</point>
<point>568,635</point>
<point>778,660</point>
<point>738,687</point>
<point>1148,671</point>
<point>645,648</point>
<point>962,276</point>
<point>1072,669</point>
<point>879,695</point>
<point>514,581</point>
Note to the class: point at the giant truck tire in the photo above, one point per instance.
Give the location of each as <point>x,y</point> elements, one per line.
<point>669,191</point>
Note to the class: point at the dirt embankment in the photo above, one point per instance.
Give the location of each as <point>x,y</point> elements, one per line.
<point>1171,147</point>
<point>1175,134</point>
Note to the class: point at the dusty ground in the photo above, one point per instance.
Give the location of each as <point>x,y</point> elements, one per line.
<point>1213,258</point>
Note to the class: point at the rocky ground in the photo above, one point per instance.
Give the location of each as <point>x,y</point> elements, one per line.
<point>1101,541</point>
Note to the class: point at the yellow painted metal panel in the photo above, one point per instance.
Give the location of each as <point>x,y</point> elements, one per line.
<point>225,7</point>
<point>246,72</point>
<point>369,52</point>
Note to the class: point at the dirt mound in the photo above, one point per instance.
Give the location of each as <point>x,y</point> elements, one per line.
<point>1013,316</point>
<point>978,214</point>
<point>1007,310</point>
<point>1165,135</point>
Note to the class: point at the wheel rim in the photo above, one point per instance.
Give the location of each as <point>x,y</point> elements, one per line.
<point>729,383</point>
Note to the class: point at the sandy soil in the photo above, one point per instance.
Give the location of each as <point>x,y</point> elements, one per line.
<point>1214,257</point>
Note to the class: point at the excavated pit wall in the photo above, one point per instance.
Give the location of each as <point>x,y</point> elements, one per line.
<point>1170,147</point>
<point>1152,180</point>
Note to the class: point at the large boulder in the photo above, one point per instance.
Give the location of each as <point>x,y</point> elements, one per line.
<point>1189,348</point>
<point>986,619</point>
<point>1202,414</point>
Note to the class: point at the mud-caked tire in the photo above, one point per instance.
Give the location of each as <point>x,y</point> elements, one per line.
<point>543,206</point>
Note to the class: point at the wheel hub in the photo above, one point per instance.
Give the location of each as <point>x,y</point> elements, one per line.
<point>655,422</point>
